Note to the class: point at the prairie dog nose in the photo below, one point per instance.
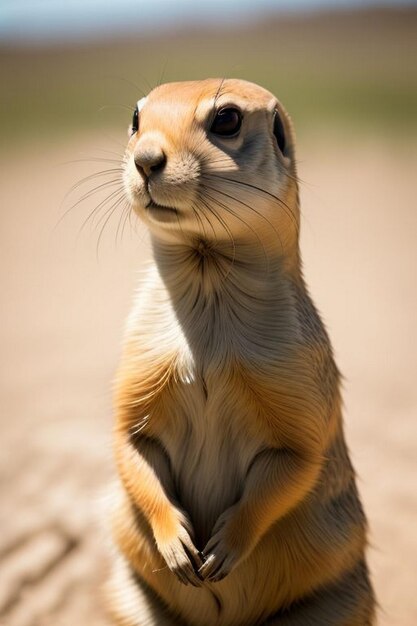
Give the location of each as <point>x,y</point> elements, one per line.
<point>149,158</point>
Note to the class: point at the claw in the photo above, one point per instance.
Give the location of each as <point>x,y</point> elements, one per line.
<point>217,571</point>
<point>206,565</point>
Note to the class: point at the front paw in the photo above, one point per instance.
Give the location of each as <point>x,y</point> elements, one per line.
<point>180,554</point>
<point>226,548</point>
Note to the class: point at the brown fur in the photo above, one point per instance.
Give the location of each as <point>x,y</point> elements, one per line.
<point>238,503</point>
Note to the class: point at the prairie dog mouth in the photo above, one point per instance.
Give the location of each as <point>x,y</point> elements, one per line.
<point>160,212</point>
<point>154,205</point>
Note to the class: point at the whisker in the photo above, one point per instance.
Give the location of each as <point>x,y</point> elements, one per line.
<point>115,106</point>
<point>228,232</point>
<point>200,221</point>
<point>92,160</point>
<point>161,77</point>
<point>97,209</point>
<point>248,226</point>
<point>219,219</point>
<point>136,87</point>
<point>91,157</point>
<point>86,179</point>
<point>121,156</point>
<point>122,219</point>
<point>127,216</point>
<point>118,194</point>
<point>146,81</point>
<point>296,179</point>
<point>86,196</point>
<point>225,206</point>
<point>179,223</point>
<point>115,141</point>
<point>283,204</point>
<point>110,212</point>
<point>91,192</point>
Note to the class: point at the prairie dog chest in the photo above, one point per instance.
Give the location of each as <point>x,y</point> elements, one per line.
<point>208,426</point>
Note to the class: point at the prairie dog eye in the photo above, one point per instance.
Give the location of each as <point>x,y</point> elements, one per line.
<point>135,121</point>
<point>227,122</point>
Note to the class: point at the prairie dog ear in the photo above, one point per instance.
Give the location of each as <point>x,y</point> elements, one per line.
<point>279,132</point>
<point>283,132</point>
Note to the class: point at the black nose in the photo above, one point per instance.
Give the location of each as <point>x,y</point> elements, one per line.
<point>149,160</point>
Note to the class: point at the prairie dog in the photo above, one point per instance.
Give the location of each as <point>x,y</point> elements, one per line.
<point>238,504</point>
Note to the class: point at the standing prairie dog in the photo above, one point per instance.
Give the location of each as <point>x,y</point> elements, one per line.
<point>238,504</point>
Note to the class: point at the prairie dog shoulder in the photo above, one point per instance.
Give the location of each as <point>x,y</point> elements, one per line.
<point>228,438</point>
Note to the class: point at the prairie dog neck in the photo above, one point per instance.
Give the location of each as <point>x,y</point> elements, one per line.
<point>237,295</point>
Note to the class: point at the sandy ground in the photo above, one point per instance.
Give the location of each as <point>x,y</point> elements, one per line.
<point>62,318</point>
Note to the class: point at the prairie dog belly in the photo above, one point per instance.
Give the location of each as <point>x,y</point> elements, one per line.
<point>210,450</point>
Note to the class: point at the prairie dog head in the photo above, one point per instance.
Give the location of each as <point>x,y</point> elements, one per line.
<point>213,160</point>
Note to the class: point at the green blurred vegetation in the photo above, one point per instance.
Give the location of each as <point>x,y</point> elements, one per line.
<point>354,68</point>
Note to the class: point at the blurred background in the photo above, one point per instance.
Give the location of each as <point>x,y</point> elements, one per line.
<point>70,74</point>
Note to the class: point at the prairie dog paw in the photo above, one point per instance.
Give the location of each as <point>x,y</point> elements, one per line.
<point>180,554</point>
<point>225,549</point>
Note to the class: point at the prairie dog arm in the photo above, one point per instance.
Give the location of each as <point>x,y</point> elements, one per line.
<point>145,472</point>
<point>277,480</point>
<point>144,468</point>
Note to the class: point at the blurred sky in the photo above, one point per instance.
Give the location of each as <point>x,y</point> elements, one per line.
<point>40,20</point>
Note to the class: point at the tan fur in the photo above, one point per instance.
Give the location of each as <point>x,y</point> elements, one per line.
<point>238,503</point>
